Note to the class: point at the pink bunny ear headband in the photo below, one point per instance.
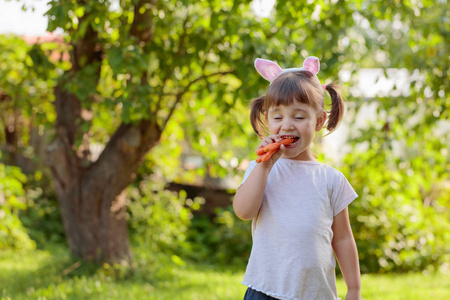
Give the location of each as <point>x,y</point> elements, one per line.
<point>270,70</point>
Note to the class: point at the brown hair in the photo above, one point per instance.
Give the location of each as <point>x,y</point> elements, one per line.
<point>301,86</point>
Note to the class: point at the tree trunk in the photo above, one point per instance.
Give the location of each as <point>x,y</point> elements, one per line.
<point>91,195</point>
<point>94,220</point>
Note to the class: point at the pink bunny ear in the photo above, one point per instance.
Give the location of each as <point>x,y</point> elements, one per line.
<point>312,64</point>
<point>267,69</point>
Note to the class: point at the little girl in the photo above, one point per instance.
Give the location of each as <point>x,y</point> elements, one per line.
<point>298,205</point>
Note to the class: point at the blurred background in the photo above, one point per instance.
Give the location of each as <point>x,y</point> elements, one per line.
<point>125,132</point>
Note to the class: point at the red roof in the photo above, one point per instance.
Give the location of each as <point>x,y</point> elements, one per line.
<point>48,38</point>
<point>55,55</point>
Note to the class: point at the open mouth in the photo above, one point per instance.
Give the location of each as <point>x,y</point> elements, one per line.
<point>295,138</point>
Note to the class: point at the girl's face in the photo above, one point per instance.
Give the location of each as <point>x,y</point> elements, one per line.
<point>298,121</point>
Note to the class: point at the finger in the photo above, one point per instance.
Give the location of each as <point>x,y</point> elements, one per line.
<point>266,141</point>
<point>277,155</point>
<point>278,138</point>
<point>275,138</point>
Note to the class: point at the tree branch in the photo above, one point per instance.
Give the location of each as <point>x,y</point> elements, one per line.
<point>181,50</point>
<point>180,94</point>
<point>142,27</point>
<point>126,149</point>
<point>86,51</point>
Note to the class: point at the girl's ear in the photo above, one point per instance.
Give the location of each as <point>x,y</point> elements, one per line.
<point>321,118</point>
<point>267,69</point>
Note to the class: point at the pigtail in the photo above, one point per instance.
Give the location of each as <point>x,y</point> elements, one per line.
<point>256,112</point>
<point>337,107</point>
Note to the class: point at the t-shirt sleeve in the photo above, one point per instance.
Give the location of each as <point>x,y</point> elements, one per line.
<point>250,167</point>
<point>343,194</point>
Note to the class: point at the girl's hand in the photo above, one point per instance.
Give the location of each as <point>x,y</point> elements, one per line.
<point>270,140</point>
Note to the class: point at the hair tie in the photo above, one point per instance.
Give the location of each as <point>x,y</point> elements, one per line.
<point>324,86</point>
<point>269,70</point>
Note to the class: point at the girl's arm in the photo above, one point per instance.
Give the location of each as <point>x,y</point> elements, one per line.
<point>344,247</point>
<point>248,198</point>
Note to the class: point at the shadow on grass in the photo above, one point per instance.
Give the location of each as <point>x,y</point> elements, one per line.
<point>21,273</point>
<point>54,273</point>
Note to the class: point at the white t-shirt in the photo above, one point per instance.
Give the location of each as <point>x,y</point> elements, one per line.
<point>292,257</point>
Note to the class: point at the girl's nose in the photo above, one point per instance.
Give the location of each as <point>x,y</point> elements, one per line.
<point>287,125</point>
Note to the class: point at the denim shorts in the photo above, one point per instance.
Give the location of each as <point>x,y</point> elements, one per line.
<point>251,294</point>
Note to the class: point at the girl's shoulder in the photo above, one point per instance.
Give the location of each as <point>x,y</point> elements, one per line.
<point>313,165</point>
<point>333,174</point>
<point>332,170</point>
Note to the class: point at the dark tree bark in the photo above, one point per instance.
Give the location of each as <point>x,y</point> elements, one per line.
<point>92,199</point>
<point>91,195</point>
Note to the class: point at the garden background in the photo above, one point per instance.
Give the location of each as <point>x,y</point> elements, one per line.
<point>125,132</point>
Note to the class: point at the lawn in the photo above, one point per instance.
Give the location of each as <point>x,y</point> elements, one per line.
<point>53,274</point>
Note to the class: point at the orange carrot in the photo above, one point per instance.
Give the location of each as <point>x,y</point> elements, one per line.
<point>265,156</point>
<point>263,152</point>
<point>286,141</point>
<point>260,158</point>
<point>277,145</point>
<point>260,151</point>
<point>273,146</point>
<point>268,155</point>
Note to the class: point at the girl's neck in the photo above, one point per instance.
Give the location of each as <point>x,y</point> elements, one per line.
<point>306,155</point>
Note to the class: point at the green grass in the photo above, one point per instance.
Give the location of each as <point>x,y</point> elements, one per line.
<point>47,274</point>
